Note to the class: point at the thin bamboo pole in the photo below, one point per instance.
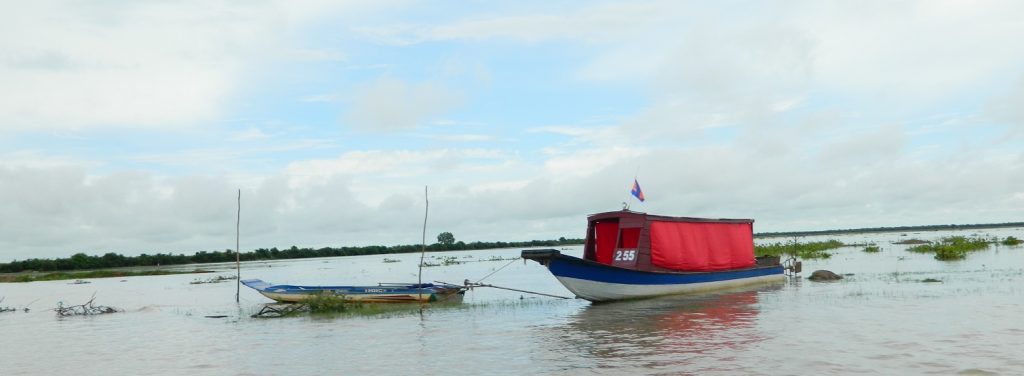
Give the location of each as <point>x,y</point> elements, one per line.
<point>423,250</point>
<point>238,253</point>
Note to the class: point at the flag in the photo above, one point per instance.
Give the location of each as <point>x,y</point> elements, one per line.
<point>636,191</point>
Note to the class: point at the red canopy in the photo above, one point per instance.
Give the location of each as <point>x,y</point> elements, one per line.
<point>650,242</point>
<point>702,246</point>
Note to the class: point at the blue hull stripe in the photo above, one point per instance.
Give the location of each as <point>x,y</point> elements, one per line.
<point>572,267</point>
<point>343,290</point>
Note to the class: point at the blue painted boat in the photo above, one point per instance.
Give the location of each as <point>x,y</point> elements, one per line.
<point>382,293</point>
<point>630,255</point>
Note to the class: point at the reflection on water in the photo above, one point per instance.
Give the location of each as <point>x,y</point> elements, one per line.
<point>668,333</point>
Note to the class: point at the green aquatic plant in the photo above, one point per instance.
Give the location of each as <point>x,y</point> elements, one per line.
<point>872,249</point>
<point>924,248</point>
<point>330,303</point>
<point>912,241</point>
<point>1011,241</point>
<point>811,250</point>
<point>952,247</point>
<point>330,306</point>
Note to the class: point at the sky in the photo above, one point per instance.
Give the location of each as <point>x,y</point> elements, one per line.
<point>131,126</point>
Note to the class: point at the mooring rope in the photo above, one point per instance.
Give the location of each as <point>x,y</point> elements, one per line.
<point>518,290</point>
<point>499,269</point>
<point>467,283</point>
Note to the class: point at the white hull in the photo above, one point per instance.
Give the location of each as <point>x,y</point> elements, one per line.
<point>603,291</point>
<point>387,298</point>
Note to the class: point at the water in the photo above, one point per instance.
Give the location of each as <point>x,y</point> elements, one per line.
<point>882,319</point>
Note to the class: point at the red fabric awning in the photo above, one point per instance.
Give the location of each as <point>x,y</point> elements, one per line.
<point>701,246</point>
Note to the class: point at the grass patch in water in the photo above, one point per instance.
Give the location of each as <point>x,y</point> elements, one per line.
<point>330,303</point>
<point>952,247</point>
<point>812,250</point>
<point>912,241</point>
<point>332,306</point>
<point>1011,241</point>
<point>872,249</point>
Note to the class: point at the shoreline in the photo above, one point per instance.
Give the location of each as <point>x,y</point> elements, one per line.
<point>33,276</point>
<point>876,230</point>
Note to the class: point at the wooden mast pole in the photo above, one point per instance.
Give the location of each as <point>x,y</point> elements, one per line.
<point>238,253</point>
<point>423,250</point>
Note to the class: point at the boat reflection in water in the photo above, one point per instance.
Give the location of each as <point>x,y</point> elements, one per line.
<point>679,333</point>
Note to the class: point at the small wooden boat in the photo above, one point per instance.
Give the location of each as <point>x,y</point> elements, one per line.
<point>630,255</point>
<point>382,293</point>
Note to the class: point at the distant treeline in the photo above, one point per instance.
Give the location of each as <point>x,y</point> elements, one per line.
<point>889,229</point>
<point>81,261</point>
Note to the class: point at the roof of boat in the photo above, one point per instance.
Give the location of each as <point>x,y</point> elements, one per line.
<point>664,218</point>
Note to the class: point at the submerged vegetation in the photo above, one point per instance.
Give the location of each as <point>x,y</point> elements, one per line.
<point>1011,241</point>
<point>872,249</point>
<point>912,241</point>
<point>330,303</point>
<point>811,250</point>
<point>952,247</point>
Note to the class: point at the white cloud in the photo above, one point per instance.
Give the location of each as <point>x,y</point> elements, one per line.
<point>598,24</point>
<point>803,116</point>
<point>375,197</point>
<point>390,104</point>
<point>917,49</point>
<point>68,65</point>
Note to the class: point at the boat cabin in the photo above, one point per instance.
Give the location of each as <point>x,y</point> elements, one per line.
<point>645,242</point>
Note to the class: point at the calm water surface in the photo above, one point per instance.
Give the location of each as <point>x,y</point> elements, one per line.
<point>882,319</point>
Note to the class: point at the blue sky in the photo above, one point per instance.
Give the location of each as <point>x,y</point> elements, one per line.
<point>129,126</point>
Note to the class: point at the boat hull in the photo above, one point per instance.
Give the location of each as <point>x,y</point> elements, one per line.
<point>364,294</point>
<point>598,282</point>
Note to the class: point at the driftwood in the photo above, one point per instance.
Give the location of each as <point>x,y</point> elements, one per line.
<point>279,310</point>
<point>5,309</point>
<point>12,309</point>
<point>216,279</point>
<point>86,309</point>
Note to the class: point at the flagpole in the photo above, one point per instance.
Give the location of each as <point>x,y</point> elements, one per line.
<point>631,198</point>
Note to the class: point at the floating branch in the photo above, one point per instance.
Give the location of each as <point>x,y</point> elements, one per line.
<point>86,309</point>
<point>217,279</point>
<point>5,309</point>
<point>280,310</point>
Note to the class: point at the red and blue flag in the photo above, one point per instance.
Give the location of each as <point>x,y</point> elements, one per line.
<point>636,191</point>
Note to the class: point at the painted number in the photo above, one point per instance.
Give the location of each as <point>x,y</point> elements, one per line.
<point>625,255</point>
